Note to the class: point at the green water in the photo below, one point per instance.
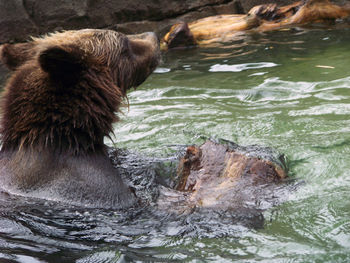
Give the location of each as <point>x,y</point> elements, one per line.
<point>288,90</point>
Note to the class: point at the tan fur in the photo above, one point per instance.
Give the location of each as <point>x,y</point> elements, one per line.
<point>267,17</point>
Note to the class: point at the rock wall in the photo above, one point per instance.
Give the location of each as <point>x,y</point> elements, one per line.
<point>21,18</point>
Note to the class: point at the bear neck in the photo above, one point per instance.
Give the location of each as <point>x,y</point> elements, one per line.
<point>48,137</point>
<point>67,146</point>
<point>42,115</point>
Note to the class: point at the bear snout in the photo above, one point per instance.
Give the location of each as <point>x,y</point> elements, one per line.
<point>145,44</point>
<point>146,52</point>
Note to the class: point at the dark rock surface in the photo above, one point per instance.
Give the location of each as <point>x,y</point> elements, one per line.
<point>15,23</point>
<point>20,19</point>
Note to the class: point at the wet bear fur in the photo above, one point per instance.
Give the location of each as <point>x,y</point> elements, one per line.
<point>60,104</point>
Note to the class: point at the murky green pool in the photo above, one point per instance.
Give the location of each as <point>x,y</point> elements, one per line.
<point>288,90</point>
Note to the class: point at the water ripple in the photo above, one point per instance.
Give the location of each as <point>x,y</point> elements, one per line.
<point>241,67</point>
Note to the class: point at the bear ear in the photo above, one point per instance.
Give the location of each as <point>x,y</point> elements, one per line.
<point>14,55</point>
<point>62,63</point>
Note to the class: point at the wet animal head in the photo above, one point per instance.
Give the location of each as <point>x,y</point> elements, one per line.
<point>66,87</point>
<point>220,176</point>
<point>129,59</point>
<point>179,36</point>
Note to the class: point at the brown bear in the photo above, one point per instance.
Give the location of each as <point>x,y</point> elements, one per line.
<point>221,175</point>
<point>58,106</point>
<point>267,17</point>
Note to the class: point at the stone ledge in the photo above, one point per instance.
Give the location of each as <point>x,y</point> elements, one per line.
<point>20,19</point>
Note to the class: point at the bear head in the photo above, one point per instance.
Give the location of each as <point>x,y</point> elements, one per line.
<point>66,87</point>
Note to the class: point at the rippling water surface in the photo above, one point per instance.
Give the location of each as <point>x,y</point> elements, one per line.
<point>288,90</point>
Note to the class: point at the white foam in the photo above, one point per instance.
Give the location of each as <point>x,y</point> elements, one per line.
<point>240,67</point>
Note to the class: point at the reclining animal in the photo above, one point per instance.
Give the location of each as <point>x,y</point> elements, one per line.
<point>262,18</point>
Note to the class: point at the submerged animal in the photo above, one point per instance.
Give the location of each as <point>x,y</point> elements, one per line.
<point>221,175</point>
<point>218,181</point>
<point>260,18</point>
<point>58,106</point>
<point>60,103</point>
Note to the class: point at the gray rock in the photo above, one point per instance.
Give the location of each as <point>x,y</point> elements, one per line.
<point>15,24</point>
<point>20,19</point>
<point>51,15</point>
